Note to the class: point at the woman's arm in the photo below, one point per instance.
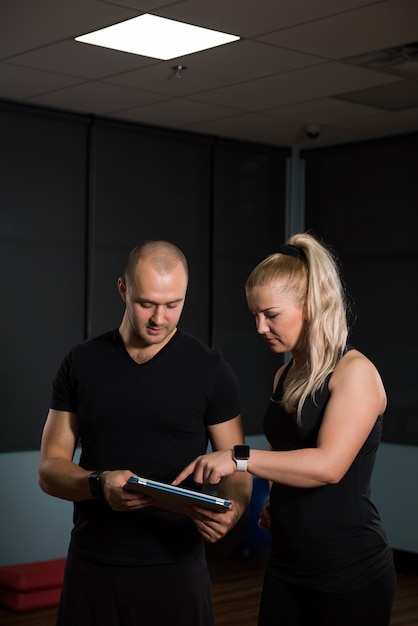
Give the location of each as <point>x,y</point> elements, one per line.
<point>357,398</point>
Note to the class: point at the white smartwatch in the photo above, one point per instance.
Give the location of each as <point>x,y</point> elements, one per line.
<point>241,456</point>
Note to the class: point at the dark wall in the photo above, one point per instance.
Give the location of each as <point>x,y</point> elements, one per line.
<point>42,252</point>
<point>245,183</point>
<point>148,184</point>
<point>76,194</point>
<point>362,200</point>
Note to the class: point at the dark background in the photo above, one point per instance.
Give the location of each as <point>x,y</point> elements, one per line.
<point>78,192</point>
<point>363,200</point>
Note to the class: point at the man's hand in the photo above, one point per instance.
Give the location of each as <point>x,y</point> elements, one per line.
<point>213,525</point>
<point>236,486</point>
<point>119,499</point>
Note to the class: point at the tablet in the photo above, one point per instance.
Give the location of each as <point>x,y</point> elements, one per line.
<point>175,498</point>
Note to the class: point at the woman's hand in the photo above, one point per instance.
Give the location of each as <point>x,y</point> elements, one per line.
<point>264,521</point>
<point>209,468</point>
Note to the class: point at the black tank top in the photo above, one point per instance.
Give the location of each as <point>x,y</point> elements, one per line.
<point>328,538</point>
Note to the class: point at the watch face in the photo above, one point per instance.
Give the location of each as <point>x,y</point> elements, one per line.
<point>241,452</point>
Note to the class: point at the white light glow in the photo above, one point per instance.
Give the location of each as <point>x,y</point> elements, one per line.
<point>156,37</point>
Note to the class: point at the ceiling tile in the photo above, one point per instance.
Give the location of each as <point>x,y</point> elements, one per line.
<point>394,22</point>
<point>399,122</point>
<point>102,98</point>
<point>323,111</point>
<point>174,112</point>
<point>306,84</point>
<point>298,138</point>
<point>260,129</point>
<point>26,25</point>
<point>241,61</point>
<point>145,6</point>
<point>248,125</point>
<point>248,19</point>
<point>79,59</point>
<point>21,82</point>
<point>394,97</point>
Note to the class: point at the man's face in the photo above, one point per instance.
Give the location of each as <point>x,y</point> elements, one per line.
<point>154,302</point>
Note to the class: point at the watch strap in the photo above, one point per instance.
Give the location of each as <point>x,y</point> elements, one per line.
<point>95,484</point>
<point>242,464</point>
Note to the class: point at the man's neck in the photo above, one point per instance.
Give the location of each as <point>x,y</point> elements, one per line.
<point>142,352</point>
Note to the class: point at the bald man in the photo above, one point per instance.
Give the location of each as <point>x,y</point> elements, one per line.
<point>142,399</point>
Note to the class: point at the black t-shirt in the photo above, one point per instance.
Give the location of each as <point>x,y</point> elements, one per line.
<point>329,538</point>
<point>150,418</point>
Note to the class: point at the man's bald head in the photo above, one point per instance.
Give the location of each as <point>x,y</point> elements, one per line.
<point>164,256</point>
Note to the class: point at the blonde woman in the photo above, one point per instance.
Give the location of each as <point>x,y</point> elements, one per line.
<point>329,560</point>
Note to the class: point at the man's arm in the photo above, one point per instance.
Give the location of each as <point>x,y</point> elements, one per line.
<point>59,476</point>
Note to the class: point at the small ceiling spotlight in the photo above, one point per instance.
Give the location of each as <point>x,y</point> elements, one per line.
<point>312,131</point>
<point>179,69</point>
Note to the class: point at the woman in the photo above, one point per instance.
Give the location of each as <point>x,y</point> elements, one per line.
<point>329,561</point>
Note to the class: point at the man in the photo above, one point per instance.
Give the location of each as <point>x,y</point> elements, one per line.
<point>143,400</point>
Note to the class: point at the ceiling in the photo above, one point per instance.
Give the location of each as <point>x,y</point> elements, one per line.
<point>299,62</point>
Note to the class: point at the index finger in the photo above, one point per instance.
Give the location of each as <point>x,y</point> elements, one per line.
<point>185,473</point>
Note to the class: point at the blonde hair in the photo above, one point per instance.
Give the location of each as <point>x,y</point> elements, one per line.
<point>309,271</point>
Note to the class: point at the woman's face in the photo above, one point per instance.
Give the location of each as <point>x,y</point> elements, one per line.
<point>279,316</point>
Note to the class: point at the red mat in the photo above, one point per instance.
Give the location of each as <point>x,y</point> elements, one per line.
<point>30,586</point>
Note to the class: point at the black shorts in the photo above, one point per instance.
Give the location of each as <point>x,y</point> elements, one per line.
<point>104,595</point>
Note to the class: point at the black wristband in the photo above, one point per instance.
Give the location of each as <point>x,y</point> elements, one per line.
<point>95,484</point>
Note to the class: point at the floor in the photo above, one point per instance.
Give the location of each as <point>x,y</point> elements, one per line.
<point>236,584</point>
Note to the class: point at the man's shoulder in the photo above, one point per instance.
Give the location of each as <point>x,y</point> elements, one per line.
<point>96,343</point>
<point>187,341</point>
<point>193,349</point>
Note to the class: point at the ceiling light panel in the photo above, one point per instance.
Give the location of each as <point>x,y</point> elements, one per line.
<point>156,37</point>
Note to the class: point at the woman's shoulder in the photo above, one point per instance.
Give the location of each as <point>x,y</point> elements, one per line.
<point>356,371</point>
<point>353,361</point>
<point>354,358</point>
